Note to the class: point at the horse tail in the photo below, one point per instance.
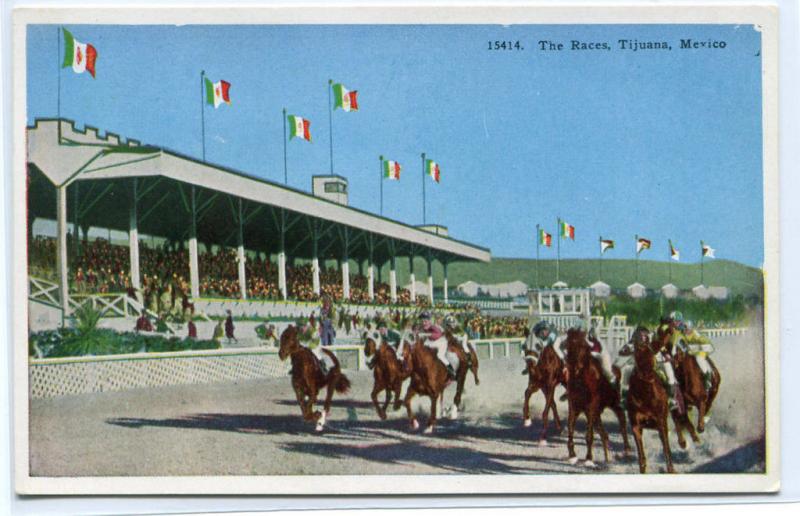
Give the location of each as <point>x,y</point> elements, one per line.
<point>333,357</point>
<point>342,384</point>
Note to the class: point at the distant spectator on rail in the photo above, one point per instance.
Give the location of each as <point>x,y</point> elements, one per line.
<point>327,333</point>
<point>143,323</point>
<point>229,328</point>
<point>192,329</point>
<point>219,332</point>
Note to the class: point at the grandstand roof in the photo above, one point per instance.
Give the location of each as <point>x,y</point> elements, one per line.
<point>99,172</point>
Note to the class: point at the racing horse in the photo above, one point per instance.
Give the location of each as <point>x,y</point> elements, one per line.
<point>544,373</point>
<point>647,400</point>
<point>389,371</point>
<point>428,378</point>
<point>308,379</point>
<point>690,382</point>
<point>589,393</point>
<point>467,362</point>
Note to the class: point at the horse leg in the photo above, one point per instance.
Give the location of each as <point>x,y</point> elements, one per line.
<point>637,436</point>
<point>662,433</point>
<point>591,416</point>
<point>554,408</point>
<point>526,409</point>
<point>387,400</point>
<point>301,400</point>
<point>623,426</point>
<point>679,428</point>
<point>462,376</point>
<point>432,418</point>
<point>548,397</point>
<point>410,393</point>
<point>701,414</point>
<point>398,399</point>
<point>375,390</point>
<point>604,436</point>
<point>570,435</point>
<point>321,416</point>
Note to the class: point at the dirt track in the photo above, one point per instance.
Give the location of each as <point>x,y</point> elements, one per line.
<point>254,428</point>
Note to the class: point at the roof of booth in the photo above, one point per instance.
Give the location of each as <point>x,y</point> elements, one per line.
<point>99,170</point>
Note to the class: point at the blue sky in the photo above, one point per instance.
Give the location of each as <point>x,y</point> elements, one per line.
<point>666,144</point>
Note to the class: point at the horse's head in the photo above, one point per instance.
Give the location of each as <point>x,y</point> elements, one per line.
<point>577,350</point>
<point>289,342</point>
<point>643,353</point>
<point>371,339</point>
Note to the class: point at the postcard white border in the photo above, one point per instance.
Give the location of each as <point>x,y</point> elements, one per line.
<point>764,16</point>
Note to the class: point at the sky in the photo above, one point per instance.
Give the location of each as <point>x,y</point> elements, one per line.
<point>663,144</point>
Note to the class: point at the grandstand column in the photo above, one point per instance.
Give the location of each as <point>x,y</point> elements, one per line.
<point>371,270</point>
<point>240,257</point>
<point>194,270</point>
<point>61,257</point>
<point>444,281</point>
<point>345,266</point>
<point>282,259</point>
<point>393,280</point>
<point>315,259</point>
<point>133,237</point>
<point>430,280</point>
<point>412,277</point>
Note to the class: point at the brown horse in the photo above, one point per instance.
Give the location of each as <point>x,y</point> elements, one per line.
<point>308,379</point>
<point>428,378</point>
<point>690,382</point>
<point>388,371</point>
<point>466,363</point>
<point>544,373</point>
<point>589,393</point>
<point>647,401</point>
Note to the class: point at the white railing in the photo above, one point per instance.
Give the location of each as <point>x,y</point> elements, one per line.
<point>723,332</point>
<point>43,291</point>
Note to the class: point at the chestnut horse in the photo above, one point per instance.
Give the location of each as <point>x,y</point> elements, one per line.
<point>545,373</point>
<point>466,363</point>
<point>388,371</point>
<point>690,382</point>
<point>647,401</point>
<point>428,378</point>
<point>307,377</point>
<point>589,393</point>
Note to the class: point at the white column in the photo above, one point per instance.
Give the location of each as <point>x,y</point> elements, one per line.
<point>430,282</point>
<point>194,270</point>
<point>371,281</point>
<point>393,283</point>
<point>133,239</point>
<point>241,259</point>
<point>413,290</point>
<point>444,282</point>
<point>315,274</point>
<point>346,279</point>
<point>282,274</point>
<point>61,257</point>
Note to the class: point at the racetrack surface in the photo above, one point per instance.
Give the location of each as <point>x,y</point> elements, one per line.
<point>255,428</point>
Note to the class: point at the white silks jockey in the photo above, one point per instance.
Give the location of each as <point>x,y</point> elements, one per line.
<point>626,363</point>
<point>542,335</point>
<point>451,325</point>
<point>664,362</point>
<point>598,351</point>
<point>436,340</point>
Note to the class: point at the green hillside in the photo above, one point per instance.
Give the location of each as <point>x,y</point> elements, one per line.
<point>740,279</point>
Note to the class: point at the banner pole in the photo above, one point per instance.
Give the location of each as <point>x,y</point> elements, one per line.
<point>203,112</point>
<point>330,121</point>
<point>538,242</point>
<point>380,178</point>
<point>601,257</point>
<point>558,249</point>
<point>636,239</point>
<point>58,93</point>
<point>285,166</point>
<point>423,190</point>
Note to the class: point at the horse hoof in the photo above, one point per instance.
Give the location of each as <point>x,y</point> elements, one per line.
<point>528,422</point>
<point>414,424</point>
<point>319,427</point>
<point>573,460</point>
<point>589,464</point>
<point>542,442</point>
<point>454,412</point>
<point>428,430</point>
<point>706,419</point>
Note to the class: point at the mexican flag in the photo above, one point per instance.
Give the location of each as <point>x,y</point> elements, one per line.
<point>432,168</point>
<point>80,56</point>
<point>299,128</point>
<point>642,244</point>
<point>344,98</point>
<point>217,92</point>
<point>673,252</point>
<point>708,251</point>
<point>545,238</point>
<point>605,245</point>
<point>567,231</point>
<point>391,170</point>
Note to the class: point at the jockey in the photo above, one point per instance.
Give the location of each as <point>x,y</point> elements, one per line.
<point>699,346</point>
<point>664,364</point>
<point>451,325</point>
<point>383,335</point>
<point>437,340</point>
<point>543,334</point>
<point>598,351</point>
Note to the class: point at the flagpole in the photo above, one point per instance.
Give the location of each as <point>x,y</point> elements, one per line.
<point>285,167</point>
<point>558,250</point>
<point>670,262</point>
<point>636,238</point>
<point>702,256</point>
<point>330,121</point>
<point>380,177</point>
<point>203,112</point>
<point>538,243</point>
<point>423,189</point>
<point>58,94</point>
<point>601,257</point>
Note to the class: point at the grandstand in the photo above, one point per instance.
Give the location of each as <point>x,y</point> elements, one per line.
<point>254,233</point>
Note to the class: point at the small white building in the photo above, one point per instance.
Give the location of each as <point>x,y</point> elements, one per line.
<point>600,289</point>
<point>701,292</point>
<point>670,291</point>
<point>637,290</point>
<point>718,292</point>
<point>419,287</point>
<point>560,284</point>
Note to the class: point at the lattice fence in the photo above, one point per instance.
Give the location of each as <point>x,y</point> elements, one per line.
<point>61,378</point>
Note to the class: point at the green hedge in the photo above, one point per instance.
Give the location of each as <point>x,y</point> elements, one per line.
<point>71,343</point>
<point>648,311</point>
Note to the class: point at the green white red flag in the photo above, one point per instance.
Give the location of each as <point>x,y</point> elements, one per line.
<point>344,98</point>
<point>391,170</point>
<point>673,252</point>
<point>605,245</point>
<point>299,128</point>
<point>642,244</point>
<point>545,238</point>
<point>80,56</point>
<point>217,92</point>
<point>432,168</point>
<point>567,230</point>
